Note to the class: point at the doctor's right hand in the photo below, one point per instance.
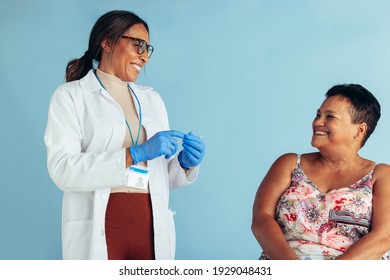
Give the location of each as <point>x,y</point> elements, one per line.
<point>162,143</point>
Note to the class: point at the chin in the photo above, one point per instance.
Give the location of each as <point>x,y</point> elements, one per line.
<point>130,79</point>
<point>314,144</point>
<point>127,77</point>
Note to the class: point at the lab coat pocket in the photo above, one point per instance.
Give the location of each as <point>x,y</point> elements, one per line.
<point>172,235</point>
<point>77,240</point>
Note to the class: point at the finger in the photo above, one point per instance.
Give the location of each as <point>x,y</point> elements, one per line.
<point>190,138</point>
<point>174,148</point>
<point>175,133</point>
<point>194,152</point>
<point>191,158</point>
<point>167,138</point>
<point>195,145</point>
<point>171,150</point>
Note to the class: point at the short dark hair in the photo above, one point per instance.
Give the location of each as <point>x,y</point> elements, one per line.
<point>110,26</point>
<point>365,107</point>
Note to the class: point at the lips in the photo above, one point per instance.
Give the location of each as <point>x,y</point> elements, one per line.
<point>320,133</point>
<point>136,67</point>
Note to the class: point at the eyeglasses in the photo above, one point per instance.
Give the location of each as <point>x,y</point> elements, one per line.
<point>142,46</point>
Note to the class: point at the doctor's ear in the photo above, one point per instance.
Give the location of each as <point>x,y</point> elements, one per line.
<point>106,45</point>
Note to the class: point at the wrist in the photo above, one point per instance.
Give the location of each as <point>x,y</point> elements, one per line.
<point>134,152</point>
<point>129,158</point>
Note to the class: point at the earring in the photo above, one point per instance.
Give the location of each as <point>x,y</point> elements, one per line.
<point>356,138</point>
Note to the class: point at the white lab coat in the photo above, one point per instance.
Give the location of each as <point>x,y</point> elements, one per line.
<point>84,138</point>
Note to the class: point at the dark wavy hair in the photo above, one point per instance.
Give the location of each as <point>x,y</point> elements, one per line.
<point>110,26</point>
<point>365,107</point>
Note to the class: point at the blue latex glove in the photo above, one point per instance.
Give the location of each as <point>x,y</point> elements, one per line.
<point>163,143</point>
<point>193,151</point>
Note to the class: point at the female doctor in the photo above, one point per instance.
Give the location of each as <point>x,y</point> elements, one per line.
<point>110,150</point>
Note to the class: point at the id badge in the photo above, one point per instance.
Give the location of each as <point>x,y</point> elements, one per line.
<point>138,177</point>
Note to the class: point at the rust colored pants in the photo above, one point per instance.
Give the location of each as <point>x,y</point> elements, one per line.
<point>129,227</point>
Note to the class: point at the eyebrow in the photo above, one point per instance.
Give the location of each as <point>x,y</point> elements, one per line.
<point>327,111</point>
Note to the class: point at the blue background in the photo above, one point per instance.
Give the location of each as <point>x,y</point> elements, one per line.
<point>248,76</point>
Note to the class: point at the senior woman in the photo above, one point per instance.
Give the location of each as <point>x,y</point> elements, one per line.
<point>111,151</point>
<point>331,204</point>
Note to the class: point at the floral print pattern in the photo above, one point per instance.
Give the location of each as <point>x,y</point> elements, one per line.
<point>321,225</point>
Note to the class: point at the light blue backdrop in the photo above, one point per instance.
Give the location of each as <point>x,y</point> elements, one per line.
<point>248,76</point>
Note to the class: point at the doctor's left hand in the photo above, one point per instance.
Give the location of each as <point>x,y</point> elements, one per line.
<point>193,151</point>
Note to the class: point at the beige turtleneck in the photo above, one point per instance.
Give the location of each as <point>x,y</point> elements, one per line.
<point>120,92</point>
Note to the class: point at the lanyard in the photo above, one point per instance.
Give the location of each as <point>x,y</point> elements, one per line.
<point>140,118</point>
<point>127,123</point>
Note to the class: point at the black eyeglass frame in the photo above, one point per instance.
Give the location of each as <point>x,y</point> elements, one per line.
<point>142,46</point>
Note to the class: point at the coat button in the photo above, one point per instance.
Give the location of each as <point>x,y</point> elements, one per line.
<point>102,232</point>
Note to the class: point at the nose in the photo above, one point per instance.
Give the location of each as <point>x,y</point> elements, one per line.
<point>318,121</point>
<point>144,57</point>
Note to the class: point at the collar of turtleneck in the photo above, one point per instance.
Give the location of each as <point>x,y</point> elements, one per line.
<point>110,81</point>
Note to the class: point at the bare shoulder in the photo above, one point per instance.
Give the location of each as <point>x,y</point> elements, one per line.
<point>277,179</point>
<point>288,158</point>
<point>381,179</point>
<point>382,171</point>
<point>286,161</point>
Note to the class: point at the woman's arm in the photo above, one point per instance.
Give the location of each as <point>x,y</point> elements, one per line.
<point>377,242</point>
<point>264,227</point>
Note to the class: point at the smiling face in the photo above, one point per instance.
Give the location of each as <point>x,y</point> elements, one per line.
<point>123,60</point>
<point>333,124</point>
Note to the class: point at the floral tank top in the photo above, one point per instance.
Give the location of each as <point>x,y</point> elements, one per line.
<point>321,225</point>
